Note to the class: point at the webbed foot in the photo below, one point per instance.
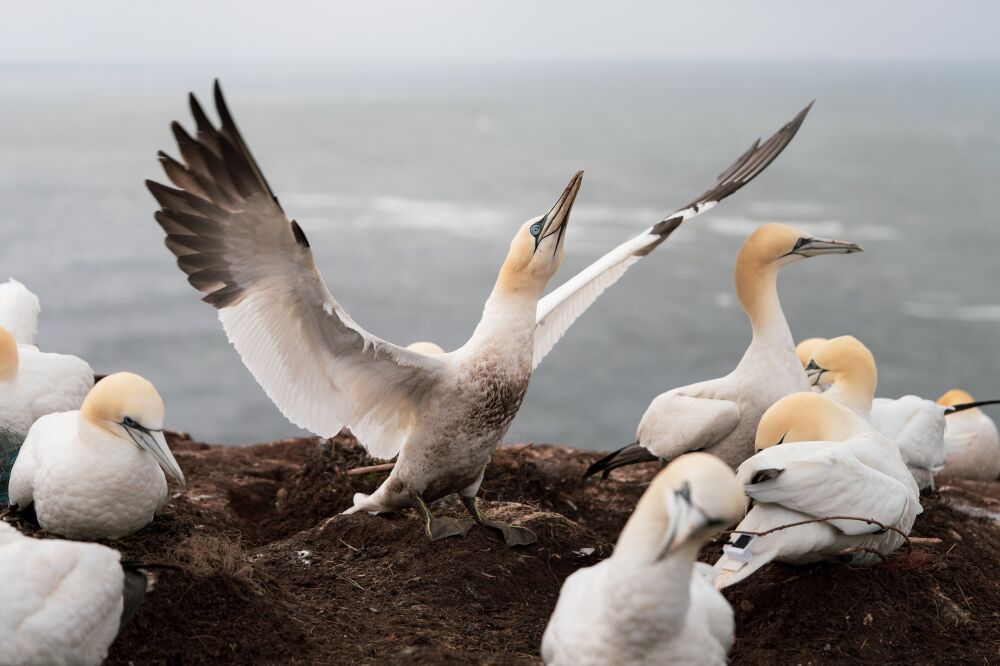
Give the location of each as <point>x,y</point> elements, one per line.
<point>441,528</point>
<point>512,535</point>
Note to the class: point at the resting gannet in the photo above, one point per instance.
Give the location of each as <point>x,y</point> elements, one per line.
<point>916,425</point>
<point>96,473</point>
<point>650,602</point>
<point>64,602</point>
<point>804,351</point>
<point>19,310</point>
<point>441,415</point>
<point>971,441</point>
<point>33,384</point>
<point>830,462</point>
<point>721,415</point>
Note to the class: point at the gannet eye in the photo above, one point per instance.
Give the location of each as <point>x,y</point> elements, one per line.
<point>536,229</point>
<point>129,422</point>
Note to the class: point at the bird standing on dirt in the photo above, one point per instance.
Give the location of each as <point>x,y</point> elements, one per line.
<point>720,415</point>
<point>818,459</point>
<point>440,414</point>
<point>651,602</point>
<point>64,602</point>
<point>97,473</point>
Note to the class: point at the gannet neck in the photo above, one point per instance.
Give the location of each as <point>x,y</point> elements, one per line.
<point>9,357</point>
<point>808,417</point>
<point>508,323</point>
<point>853,392</point>
<point>850,368</point>
<point>757,289</point>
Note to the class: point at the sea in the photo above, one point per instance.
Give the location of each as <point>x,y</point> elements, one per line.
<point>411,179</point>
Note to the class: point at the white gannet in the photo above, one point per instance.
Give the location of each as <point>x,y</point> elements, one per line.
<point>64,602</point>
<point>971,441</point>
<point>721,415</point>
<point>650,602</point>
<point>440,415</point>
<point>19,310</point>
<point>916,425</point>
<point>97,473</point>
<point>830,462</point>
<point>33,384</point>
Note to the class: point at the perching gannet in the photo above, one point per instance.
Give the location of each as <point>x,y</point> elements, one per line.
<point>441,415</point>
<point>97,473</point>
<point>830,462</point>
<point>720,415</point>
<point>32,384</point>
<point>64,602</point>
<point>650,602</point>
<point>972,444</point>
<point>19,310</point>
<point>916,425</point>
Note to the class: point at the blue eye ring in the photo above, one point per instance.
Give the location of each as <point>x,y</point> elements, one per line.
<point>536,229</point>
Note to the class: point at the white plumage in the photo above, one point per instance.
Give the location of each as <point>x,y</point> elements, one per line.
<point>972,443</point>
<point>650,602</point>
<point>97,473</point>
<point>62,600</point>
<point>848,470</point>
<point>19,310</point>
<point>721,415</point>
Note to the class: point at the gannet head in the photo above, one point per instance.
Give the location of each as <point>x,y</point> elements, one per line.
<point>702,497</point>
<point>425,348</point>
<point>128,407</point>
<point>955,396</point>
<point>807,417</point>
<point>539,246</point>
<point>779,244</point>
<point>844,360</point>
<point>804,350</point>
<point>9,358</point>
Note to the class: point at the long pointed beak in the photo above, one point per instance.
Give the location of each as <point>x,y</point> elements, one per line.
<point>556,219</point>
<point>685,519</point>
<point>813,247</point>
<point>155,444</point>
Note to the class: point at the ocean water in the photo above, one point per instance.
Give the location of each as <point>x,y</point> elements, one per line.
<point>410,182</point>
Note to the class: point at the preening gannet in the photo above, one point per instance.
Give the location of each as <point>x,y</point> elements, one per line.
<point>97,473</point>
<point>650,602</point>
<point>971,441</point>
<point>830,462</point>
<point>804,351</point>
<point>19,310</point>
<point>441,415</point>
<point>720,415</point>
<point>916,425</point>
<point>64,602</point>
<point>33,384</point>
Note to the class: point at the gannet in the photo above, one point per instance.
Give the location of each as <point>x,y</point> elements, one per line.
<point>804,351</point>
<point>721,415</point>
<point>971,441</point>
<point>97,473</point>
<point>33,384</point>
<point>19,310</point>
<point>440,415</point>
<point>650,602</point>
<point>916,425</point>
<point>64,602</point>
<point>830,462</point>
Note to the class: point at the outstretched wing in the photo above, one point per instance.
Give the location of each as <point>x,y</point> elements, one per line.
<point>558,310</point>
<point>236,245</point>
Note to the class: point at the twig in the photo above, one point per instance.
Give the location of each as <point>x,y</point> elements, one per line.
<point>870,521</point>
<point>925,541</point>
<point>358,471</point>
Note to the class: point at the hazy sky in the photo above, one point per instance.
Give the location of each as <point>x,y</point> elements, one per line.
<point>201,30</point>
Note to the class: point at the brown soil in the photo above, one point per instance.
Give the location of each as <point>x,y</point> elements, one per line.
<point>259,567</point>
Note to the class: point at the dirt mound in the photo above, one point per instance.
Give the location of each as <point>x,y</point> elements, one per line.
<point>254,564</point>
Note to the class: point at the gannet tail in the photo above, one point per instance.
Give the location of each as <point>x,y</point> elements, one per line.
<point>630,454</point>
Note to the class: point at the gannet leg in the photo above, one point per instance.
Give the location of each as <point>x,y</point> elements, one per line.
<point>512,535</point>
<point>440,528</point>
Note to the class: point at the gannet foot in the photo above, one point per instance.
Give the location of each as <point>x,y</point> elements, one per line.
<point>441,528</point>
<point>512,534</point>
<point>363,502</point>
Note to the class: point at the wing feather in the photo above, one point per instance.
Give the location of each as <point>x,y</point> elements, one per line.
<point>234,242</point>
<point>558,310</point>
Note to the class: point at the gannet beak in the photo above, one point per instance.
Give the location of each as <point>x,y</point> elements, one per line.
<point>154,443</point>
<point>556,219</point>
<point>685,519</point>
<point>814,372</point>
<point>813,247</point>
